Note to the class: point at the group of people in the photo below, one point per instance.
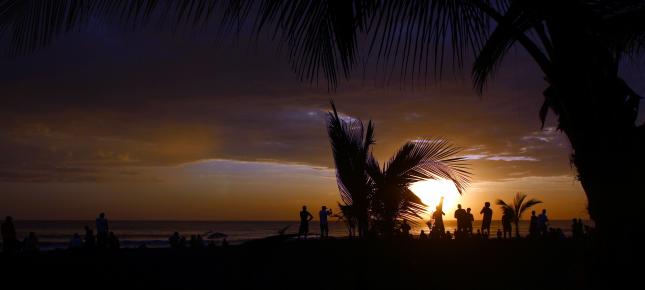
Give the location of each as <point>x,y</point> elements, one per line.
<point>306,217</point>
<point>538,224</point>
<point>465,220</point>
<point>104,239</point>
<point>10,242</point>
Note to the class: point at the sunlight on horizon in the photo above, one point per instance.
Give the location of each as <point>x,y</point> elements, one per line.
<point>430,192</point>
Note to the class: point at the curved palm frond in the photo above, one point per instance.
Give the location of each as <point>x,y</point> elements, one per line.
<point>518,18</point>
<point>415,161</point>
<point>351,150</point>
<point>416,36</point>
<point>321,35</point>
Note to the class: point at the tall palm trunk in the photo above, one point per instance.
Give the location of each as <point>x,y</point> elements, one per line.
<point>597,111</point>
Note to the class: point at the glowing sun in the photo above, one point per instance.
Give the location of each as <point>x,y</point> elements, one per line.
<point>431,191</point>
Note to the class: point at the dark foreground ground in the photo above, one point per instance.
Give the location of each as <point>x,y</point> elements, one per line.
<point>311,264</point>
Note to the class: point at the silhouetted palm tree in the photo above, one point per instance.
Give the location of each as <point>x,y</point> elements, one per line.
<point>351,150</point>
<point>517,209</point>
<point>367,190</point>
<point>578,45</point>
<point>415,161</point>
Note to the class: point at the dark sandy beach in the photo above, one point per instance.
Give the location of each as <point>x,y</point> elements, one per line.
<point>312,264</point>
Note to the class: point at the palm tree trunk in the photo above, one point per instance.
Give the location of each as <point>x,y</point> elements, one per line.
<point>609,155</point>
<point>517,228</point>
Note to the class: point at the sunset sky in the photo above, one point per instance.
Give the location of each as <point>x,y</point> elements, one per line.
<point>159,127</point>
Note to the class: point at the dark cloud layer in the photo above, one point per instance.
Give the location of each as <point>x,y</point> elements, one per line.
<point>96,103</point>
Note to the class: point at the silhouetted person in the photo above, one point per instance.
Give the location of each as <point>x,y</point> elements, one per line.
<point>76,242</point>
<point>305,217</point>
<point>9,238</point>
<point>174,240</point>
<point>448,235</point>
<point>423,236</point>
<point>506,224</point>
<point>224,243</point>
<point>405,229</point>
<point>470,219</point>
<point>543,223</point>
<point>30,243</point>
<point>89,240</point>
<point>533,225</point>
<point>102,230</point>
<point>438,228</point>
<point>113,241</point>
<point>324,224</point>
<point>499,233</point>
<point>460,215</point>
<point>487,213</point>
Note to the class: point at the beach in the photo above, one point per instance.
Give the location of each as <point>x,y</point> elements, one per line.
<point>155,234</point>
<point>276,263</point>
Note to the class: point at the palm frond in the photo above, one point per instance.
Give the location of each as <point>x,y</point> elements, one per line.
<point>321,35</point>
<point>529,204</point>
<point>429,159</point>
<point>416,36</point>
<point>517,19</point>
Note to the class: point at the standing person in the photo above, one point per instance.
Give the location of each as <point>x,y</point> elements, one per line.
<point>305,217</point>
<point>533,225</point>
<point>324,224</point>
<point>76,241</point>
<point>470,219</point>
<point>507,219</point>
<point>460,215</point>
<point>543,223</point>
<point>486,220</point>
<point>9,239</point>
<point>102,230</point>
<point>438,228</point>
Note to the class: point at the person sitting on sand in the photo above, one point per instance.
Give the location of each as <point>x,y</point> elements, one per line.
<point>174,240</point>
<point>102,230</point>
<point>405,229</point>
<point>422,235</point>
<point>224,243</point>
<point>324,224</point>
<point>9,238</point>
<point>499,233</point>
<point>89,238</point>
<point>76,242</point>
<point>305,217</point>
<point>486,220</point>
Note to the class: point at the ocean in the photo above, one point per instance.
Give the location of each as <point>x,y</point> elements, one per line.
<point>154,234</point>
